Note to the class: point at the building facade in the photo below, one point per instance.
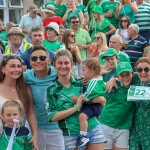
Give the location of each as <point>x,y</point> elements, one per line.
<point>12,10</point>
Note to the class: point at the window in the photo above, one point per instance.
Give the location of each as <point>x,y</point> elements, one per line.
<point>15,3</point>
<point>14,15</point>
<point>2,3</point>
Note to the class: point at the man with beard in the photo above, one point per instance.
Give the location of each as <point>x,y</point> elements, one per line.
<point>37,36</point>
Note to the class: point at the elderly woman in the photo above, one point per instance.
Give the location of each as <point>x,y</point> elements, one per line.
<point>100,24</point>
<point>17,43</point>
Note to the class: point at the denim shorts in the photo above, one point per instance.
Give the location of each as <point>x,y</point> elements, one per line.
<point>95,135</point>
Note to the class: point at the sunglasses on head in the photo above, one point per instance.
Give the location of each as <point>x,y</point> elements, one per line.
<point>72,36</point>
<point>124,20</point>
<point>75,22</point>
<point>141,69</point>
<point>97,38</point>
<point>35,58</point>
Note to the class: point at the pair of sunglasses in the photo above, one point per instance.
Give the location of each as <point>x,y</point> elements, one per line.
<point>35,58</point>
<point>97,38</point>
<point>124,20</point>
<point>139,70</point>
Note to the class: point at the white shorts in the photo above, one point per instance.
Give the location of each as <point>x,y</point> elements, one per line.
<point>50,140</point>
<point>117,137</point>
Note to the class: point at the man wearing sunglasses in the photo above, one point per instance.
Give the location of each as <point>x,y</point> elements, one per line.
<point>37,36</point>
<point>82,37</point>
<point>39,78</point>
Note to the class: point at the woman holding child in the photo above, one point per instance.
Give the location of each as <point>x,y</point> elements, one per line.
<point>65,111</point>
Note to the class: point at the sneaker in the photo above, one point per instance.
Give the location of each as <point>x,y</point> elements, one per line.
<point>82,140</point>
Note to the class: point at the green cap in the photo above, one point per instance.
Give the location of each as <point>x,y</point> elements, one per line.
<point>123,67</point>
<point>109,52</point>
<point>98,10</point>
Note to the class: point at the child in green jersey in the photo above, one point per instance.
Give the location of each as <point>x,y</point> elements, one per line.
<point>21,138</point>
<point>95,87</point>
<point>117,114</point>
<point>109,69</point>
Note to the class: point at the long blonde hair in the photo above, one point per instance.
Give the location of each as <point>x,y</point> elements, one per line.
<point>101,18</point>
<point>104,41</point>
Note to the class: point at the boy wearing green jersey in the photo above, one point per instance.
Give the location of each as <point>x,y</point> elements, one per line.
<point>116,116</point>
<point>109,69</point>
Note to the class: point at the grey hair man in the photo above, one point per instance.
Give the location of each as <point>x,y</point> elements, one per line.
<point>136,44</point>
<point>116,42</point>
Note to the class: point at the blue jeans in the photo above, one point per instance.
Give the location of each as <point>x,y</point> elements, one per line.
<point>95,135</point>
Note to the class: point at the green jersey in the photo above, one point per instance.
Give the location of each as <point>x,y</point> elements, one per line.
<point>108,76</point>
<point>99,27</point>
<point>53,45</point>
<point>118,112</point>
<point>60,10</point>
<point>21,141</point>
<point>82,37</point>
<point>82,8</point>
<point>110,6</point>
<point>59,99</point>
<point>94,88</point>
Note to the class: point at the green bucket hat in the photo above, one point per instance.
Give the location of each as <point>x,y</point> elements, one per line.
<point>109,52</point>
<point>123,67</point>
<point>98,10</point>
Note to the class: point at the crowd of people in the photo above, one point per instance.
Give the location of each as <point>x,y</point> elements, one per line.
<point>75,77</point>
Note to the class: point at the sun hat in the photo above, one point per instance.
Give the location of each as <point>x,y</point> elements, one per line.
<point>98,10</point>
<point>33,7</point>
<point>109,52</point>
<point>123,67</point>
<point>54,26</point>
<point>15,30</point>
<point>49,8</point>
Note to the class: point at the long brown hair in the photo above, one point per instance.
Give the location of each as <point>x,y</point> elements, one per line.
<point>65,36</point>
<point>21,86</point>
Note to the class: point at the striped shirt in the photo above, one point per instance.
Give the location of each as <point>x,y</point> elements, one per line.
<point>142,17</point>
<point>94,88</point>
<point>135,49</point>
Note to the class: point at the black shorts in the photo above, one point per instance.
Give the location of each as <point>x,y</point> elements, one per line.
<point>91,110</point>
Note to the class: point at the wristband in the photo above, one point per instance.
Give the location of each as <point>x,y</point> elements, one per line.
<point>77,108</point>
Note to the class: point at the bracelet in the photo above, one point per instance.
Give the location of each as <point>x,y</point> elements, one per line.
<point>77,108</point>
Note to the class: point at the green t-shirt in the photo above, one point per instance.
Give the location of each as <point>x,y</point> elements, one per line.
<point>59,99</point>
<point>118,112</point>
<point>3,35</point>
<point>82,37</point>
<point>60,10</point>
<point>110,6</point>
<point>82,8</point>
<point>21,141</point>
<point>104,27</point>
<point>108,76</point>
<point>53,45</point>
<point>123,57</point>
<point>94,88</point>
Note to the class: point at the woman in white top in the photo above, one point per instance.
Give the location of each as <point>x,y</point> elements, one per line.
<point>13,87</point>
<point>123,28</point>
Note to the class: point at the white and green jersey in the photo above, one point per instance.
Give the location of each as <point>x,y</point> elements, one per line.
<point>94,88</point>
<point>142,17</point>
<point>59,99</point>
